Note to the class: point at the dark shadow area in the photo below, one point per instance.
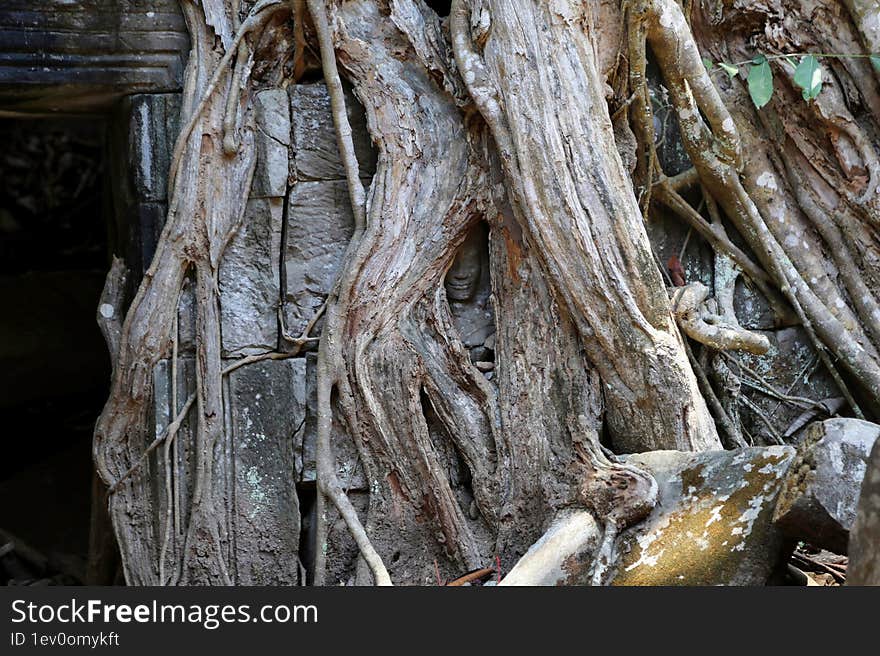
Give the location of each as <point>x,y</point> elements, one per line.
<point>54,366</point>
<point>442,7</point>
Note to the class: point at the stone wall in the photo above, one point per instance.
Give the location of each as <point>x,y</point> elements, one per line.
<point>276,272</point>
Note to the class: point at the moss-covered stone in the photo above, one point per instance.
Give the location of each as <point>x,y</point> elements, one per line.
<point>713,525</point>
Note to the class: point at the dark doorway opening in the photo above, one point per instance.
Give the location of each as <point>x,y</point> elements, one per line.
<point>54,366</point>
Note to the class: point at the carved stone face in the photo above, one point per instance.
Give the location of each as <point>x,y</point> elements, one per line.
<point>464,275</point>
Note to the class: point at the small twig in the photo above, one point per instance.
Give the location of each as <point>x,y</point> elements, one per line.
<point>470,577</point>
<point>814,565</point>
<point>774,434</point>
<point>687,239</point>
<point>626,103</point>
<point>730,427</point>
<point>669,197</point>
<point>760,383</point>
<point>813,364</point>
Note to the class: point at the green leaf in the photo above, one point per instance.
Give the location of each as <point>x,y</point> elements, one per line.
<point>730,69</point>
<point>875,59</point>
<point>760,81</point>
<point>707,63</point>
<point>808,76</point>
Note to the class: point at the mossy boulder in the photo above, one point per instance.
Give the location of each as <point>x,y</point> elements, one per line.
<point>713,523</point>
<point>712,526</point>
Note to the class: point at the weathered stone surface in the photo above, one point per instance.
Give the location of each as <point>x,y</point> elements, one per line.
<point>140,146</point>
<point>712,526</point>
<point>315,152</point>
<point>713,522</point>
<point>864,541</point>
<point>670,150</point>
<point>751,308</point>
<point>818,500</point>
<point>350,472</point>
<point>265,409</point>
<point>272,142</point>
<point>267,406</point>
<point>319,219</point>
<point>250,281</point>
<point>84,55</point>
<point>789,366</point>
<point>151,121</point>
<point>319,226</point>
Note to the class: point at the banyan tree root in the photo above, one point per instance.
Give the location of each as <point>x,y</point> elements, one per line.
<point>572,197</point>
<point>709,328</point>
<point>751,195</point>
<point>202,217</point>
<point>388,349</point>
<point>329,353</point>
<point>566,216</point>
<point>567,237</point>
<point>391,350</point>
<point>620,495</point>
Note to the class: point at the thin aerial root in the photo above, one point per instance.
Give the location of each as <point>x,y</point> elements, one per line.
<point>332,490</point>
<point>328,482</point>
<point>825,356</point>
<point>730,427</point>
<point>329,354</point>
<point>166,450</point>
<point>340,117</point>
<point>230,140</point>
<point>711,232</point>
<point>642,114</point>
<point>256,19</point>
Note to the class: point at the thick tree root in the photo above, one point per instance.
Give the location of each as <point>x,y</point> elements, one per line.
<point>713,330</point>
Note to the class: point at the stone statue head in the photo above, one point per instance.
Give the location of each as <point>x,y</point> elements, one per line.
<point>463,277</point>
